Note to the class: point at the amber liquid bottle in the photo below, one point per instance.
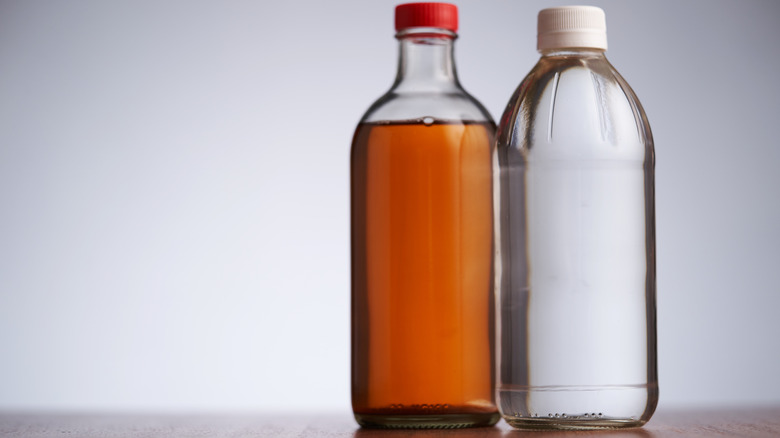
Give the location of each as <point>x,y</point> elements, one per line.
<point>422,223</point>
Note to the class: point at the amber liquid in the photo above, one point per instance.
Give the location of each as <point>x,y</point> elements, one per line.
<point>422,320</point>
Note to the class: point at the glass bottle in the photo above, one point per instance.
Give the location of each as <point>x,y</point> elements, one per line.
<point>575,275</point>
<point>422,224</point>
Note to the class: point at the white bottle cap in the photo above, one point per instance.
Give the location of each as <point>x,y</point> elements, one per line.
<point>571,27</point>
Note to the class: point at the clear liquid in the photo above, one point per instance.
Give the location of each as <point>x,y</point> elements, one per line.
<point>575,273</point>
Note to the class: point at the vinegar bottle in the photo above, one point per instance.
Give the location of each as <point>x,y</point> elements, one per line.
<point>422,224</point>
<point>575,277</point>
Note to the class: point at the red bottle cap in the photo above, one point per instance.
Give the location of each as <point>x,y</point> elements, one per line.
<point>441,15</point>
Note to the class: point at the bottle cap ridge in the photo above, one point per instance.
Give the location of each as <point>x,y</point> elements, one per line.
<point>571,27</point>
<point>442,15</point>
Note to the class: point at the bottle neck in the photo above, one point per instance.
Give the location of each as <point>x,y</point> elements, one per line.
<point>582,52</point>
<point>426,62</point>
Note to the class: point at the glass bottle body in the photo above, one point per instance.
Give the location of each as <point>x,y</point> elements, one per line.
<point>575,275</point>
<point>422,314</point>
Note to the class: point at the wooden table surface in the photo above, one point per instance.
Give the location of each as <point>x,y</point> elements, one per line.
<point>741,422</point>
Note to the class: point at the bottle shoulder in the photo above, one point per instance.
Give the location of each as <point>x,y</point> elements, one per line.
<point>575,108</point>
<point>453,104</point>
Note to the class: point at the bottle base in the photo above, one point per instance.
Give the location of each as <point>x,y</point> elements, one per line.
<point>578,407</point>
<point>574,423</point>
<point>433,421</point>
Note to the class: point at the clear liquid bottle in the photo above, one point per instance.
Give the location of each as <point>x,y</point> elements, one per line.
<point>422,225</point>
<point>575,234</point>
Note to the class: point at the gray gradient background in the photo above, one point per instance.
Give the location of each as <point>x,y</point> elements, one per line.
<point>174,192</point>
